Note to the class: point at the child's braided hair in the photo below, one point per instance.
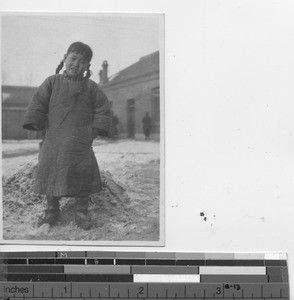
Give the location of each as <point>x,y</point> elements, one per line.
<point>82,49</point>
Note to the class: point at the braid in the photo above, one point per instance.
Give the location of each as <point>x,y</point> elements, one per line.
<point>59,67</point>
<point>88,74</point>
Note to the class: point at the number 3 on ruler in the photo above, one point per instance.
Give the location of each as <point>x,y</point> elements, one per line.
<point>218,290</point>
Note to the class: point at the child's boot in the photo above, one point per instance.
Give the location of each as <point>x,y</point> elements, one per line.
<point>51,212</point>
<point>82,216</point>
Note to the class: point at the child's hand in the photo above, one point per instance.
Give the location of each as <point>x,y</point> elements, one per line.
<point>99,132</point>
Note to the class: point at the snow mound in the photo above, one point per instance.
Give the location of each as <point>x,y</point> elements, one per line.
<point>19,188</point>
<point>120,212</point>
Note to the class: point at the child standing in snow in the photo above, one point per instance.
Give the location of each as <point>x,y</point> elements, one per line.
<point>74,111</point>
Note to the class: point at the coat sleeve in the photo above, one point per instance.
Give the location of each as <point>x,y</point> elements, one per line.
<point>36,114</point>
<point>102,113</point>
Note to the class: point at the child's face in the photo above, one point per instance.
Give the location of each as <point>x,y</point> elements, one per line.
<point>75,64</point>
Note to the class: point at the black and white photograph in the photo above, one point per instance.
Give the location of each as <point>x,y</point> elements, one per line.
<point>169,128</point>
<point>83,128</point>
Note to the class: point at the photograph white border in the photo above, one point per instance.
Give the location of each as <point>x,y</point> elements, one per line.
<point>161,241</point>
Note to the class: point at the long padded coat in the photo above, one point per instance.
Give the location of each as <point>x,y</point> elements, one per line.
<point>68,110</point>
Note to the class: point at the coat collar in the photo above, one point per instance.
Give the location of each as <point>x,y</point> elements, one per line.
<point>75,86</point>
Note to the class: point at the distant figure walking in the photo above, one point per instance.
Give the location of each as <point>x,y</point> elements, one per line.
<point>114,124</point>
<point>146,125</point>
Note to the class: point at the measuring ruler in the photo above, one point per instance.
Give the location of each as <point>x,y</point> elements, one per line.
<point>134,275</point>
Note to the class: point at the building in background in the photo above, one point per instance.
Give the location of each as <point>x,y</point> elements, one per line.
<point>133,91</point>
<point>15,100</point>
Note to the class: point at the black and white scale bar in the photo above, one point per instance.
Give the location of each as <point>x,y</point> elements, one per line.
<point>126,269</point>
<point>38,277</point>
<point>208,273</point>
<point>141,269</point>
<point>150,262</point>
<point>143,278</point>
<point>117,275</point>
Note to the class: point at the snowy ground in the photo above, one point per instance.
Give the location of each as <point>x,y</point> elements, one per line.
<point>135,165</point>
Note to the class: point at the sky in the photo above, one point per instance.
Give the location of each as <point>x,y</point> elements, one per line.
<point>34,44</point>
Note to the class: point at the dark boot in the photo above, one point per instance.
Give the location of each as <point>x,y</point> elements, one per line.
<point>51,212</point>
<point>82,216</point>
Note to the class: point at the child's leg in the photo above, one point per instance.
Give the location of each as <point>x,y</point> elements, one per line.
<point>83,219</point>
<point>51,211</point>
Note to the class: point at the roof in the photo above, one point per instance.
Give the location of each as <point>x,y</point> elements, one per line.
<point>17,96</point>
<point>147,65</point>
